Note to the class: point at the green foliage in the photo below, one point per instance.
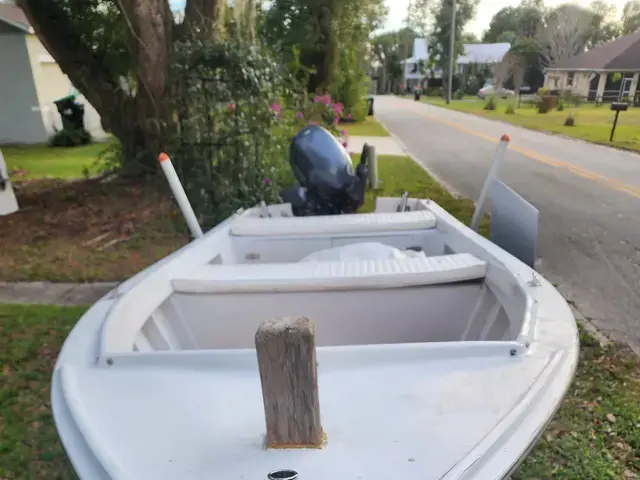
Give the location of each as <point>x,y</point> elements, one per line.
<point>230,144</point>
<point>434,92</point>
<point>459,95</point>
<point>570,121</point>
<point>491,103</point>
<point>547,103</point>
<point>419,16</point>
<point>321,31</point>
<point>615,77</point>
<point>237,109</point>
<point>631,16</point>
<point>510,109</point>
<point>520,26</point>
<point>440,39</point>
<point>70,138</point>
<point>560,106</point>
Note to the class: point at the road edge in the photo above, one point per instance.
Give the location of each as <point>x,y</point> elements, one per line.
<point>408,153</point>
<point>600,336</point>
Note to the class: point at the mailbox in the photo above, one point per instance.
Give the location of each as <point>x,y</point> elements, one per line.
<point>619,106</point>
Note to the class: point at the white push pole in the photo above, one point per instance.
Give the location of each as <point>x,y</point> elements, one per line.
<point>498,156</point>
<point>181,196</point>
<point>8,202</point>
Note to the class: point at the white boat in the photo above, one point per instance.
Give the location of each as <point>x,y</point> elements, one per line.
<point>442,358</point>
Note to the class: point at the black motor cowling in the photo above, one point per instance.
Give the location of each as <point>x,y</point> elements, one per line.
<point>323,168</point>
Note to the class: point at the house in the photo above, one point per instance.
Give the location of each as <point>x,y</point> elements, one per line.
<point>411,71</point>
<point>474,53</point>
<point>482,54</point>
<point>608,72</point>
<point>30,81</point>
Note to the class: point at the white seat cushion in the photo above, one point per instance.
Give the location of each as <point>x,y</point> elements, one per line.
<point>388,273</point>
<point>334,224</point>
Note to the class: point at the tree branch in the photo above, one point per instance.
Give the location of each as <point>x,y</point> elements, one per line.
<point>150,23</point>
<point>77,61</point>
<point>202,15</point>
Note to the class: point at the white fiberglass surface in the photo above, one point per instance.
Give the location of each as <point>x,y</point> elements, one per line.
<point>399,315</point>
<point>435,313</point>
<point>288,249</point>
<point>414,418</point>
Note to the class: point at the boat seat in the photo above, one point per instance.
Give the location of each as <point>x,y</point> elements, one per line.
<point>333,224</point>
<point>334,275</point>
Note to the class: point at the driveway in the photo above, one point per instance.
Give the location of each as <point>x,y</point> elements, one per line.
<point>588,197</point>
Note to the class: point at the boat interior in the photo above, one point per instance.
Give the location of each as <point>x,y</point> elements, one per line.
<point>260,265</point>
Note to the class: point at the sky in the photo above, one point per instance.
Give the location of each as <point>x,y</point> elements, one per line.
<point>486,10</point>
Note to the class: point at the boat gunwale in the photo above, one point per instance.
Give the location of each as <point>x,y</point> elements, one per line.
<point>491,461</point>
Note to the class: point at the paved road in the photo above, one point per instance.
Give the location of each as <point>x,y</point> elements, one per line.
<point>588,197</point>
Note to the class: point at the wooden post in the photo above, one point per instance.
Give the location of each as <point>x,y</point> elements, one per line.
<point>286,349</point>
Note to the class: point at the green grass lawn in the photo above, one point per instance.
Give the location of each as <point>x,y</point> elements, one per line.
<point>591,123</point>
<point>369,127</point>
<point>41,161</point>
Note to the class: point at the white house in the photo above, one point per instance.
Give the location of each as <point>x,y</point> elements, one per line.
<point>411,75</point>
<point>474,53</point>
<point>30,81</point>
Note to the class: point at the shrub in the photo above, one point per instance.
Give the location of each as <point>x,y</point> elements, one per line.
<point>459,95</point>
<point>491,103</point>
<point>547,103</point>
<point>510,110</point>
<point>560,106</point>
<point>570,121</point>
<point>434,92</point>
<point>70,138</point>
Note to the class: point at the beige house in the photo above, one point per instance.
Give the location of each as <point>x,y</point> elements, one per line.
<point>609,72</point>
<point>30,81</point>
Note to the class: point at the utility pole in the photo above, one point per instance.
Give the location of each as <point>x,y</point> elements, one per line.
<point>452,45</point>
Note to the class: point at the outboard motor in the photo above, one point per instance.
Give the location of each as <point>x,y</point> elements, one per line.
<point>324,171</point>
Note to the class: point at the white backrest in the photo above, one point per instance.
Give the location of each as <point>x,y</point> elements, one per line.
<point>333,224</point>
<point>387,273</point>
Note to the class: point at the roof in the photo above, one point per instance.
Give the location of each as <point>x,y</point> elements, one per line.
<point>14,16</point>
<point>620,54</point>
<point>484,53</point>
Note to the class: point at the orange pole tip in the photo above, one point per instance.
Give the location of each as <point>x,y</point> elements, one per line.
<point>162,157</point>
<point>505,138</point>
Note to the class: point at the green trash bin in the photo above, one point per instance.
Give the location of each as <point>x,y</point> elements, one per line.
<point>370,102</point>
<point>71,112</point>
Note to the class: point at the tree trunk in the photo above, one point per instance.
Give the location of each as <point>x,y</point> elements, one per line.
<point>324,56</point>
<point>142,131</point>
<point>137,116</point>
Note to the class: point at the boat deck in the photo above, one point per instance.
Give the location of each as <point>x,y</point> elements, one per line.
<point>409,412</point>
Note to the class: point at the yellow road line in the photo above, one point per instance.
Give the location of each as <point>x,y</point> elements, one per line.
<point>546,159</point>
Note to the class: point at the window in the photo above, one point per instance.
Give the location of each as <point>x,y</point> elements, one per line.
<point>570,79</point>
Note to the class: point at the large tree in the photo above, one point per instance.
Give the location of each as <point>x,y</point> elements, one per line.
<point>604,24</point>
<point>566,33</point>
<point>440,40</point>
<point>419,17</point>
<point>389,49</point>
<point>631,16</point>
<point>318,31</point>
<point>117,53</point>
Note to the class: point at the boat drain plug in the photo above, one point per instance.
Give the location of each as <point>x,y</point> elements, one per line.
<point>283,475</point>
